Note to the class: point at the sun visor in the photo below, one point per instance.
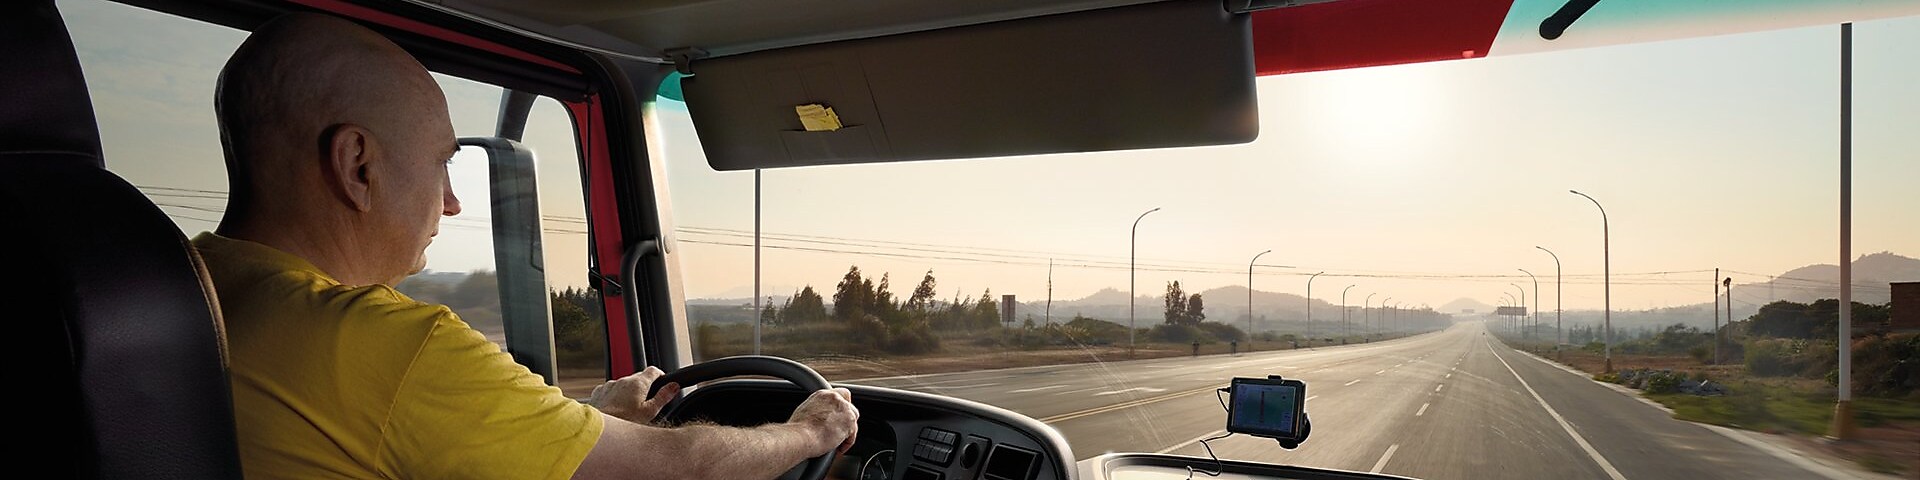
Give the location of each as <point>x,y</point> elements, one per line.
<point>1170,74</point>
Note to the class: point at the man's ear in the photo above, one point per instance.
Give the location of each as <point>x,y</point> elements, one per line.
<point>347,162</point>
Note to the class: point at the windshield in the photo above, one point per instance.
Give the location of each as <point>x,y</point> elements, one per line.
<point>1610,262</point>
<point>1393,224</point>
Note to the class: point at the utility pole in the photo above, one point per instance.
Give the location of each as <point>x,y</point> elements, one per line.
<point>1049,313</point>
<point>1843,409</point>
<point>1716,316</point>
<point>756,262</point>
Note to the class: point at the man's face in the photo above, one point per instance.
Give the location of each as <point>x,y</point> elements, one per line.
<point>418,192</point>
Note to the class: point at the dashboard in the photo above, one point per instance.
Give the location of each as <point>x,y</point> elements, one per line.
<point>903,435</point>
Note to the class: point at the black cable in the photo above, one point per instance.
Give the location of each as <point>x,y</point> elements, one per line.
<point>1218,466</point>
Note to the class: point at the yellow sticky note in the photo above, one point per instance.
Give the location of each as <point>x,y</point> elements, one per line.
<point>817,118</point>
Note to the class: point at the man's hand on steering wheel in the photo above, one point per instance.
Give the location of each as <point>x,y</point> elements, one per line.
<point>623,397</point>
<point>830,416</point>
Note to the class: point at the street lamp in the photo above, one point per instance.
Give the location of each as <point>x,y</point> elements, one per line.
<point>1346,323</point>
<point>1133,246</point>
<point>1559,336</point>
<point>1536,302</point>
<point>1509,317</point>
<point>1521,319</point>
<point>1250,298</point>
<point>1383,313</point>
<point>1310,308</point>
<point>1606,275</point>
<point>1366,313</point>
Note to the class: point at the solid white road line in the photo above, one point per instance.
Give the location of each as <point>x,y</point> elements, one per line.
<point>1604,464</point>
<point>1035,389</point>
<point>1134,389</point>
<point>1383,459</point>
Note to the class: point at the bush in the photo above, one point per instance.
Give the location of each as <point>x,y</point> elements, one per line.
<point>1178,334</point>
<point>912,338</point>
<point>1770,357</point>
<point>1223,332</point>
<point>1887,365</point>
<point>1092,331</point>
<point>1699,353</point>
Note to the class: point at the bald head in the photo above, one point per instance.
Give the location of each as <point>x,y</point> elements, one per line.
<point>301,74</point>
<point>332,128</point>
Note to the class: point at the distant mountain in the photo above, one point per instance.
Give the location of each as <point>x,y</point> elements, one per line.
<point>1463,304</point>
<point>1871,274</point>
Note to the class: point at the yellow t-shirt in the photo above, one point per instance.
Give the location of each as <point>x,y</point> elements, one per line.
<point>336,381</point>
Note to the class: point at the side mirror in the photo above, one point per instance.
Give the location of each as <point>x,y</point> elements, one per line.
<point>514,209</point>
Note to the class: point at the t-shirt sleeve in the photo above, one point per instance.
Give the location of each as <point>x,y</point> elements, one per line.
<point>466,410</point>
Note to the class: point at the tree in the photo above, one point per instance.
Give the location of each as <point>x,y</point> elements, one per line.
<point>804,307</point>
<point>769,314</point>
<point>880,304</point>
<point>1196,311</point>
<point>850,296</point>
<point>922,295</point>
<point>986,312</point>
<point>1176,304</point>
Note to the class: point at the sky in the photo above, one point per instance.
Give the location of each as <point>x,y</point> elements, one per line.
<point>1707,152</point>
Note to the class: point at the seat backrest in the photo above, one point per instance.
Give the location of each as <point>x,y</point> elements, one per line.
<point>124,354</point>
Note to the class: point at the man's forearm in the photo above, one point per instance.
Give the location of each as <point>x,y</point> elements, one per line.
<point>721,452</point>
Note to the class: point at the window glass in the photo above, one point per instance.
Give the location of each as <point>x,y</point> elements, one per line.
<point>153,96</point>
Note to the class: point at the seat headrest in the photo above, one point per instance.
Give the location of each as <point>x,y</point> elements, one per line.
<point>47,108</point>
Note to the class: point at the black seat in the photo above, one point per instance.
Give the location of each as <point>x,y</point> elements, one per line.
<point>118,365</point>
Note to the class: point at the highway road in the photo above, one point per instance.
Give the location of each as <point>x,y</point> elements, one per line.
<point>1455,404</point>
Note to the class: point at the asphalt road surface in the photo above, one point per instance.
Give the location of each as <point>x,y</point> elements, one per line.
<point>1455,404</point>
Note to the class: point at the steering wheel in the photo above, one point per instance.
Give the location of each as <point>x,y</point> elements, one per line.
<point>784,369</point>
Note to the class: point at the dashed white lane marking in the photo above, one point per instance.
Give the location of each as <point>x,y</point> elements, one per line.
<point>1383,459</point>
<point>1195,440</point>
<point>1036,389</point>
<point>1423,409</point>
<point>1595,454</point>
<point>1449,375</point>
<point>1436,388</point>
<point>1309,399</point>
<point>1379,372</point>
<point>1349,384</point>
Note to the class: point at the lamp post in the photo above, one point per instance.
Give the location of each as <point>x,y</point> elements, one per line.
<point>1536,302</point>
<point>1346,323</point>
<point>1133,246</point>
<point>1606,275</point>
<point>1366,314</point>
<point>1310,308</point>
<point>1256,258</point>
<point>1383,313</point>
<point>1511,302</point>
<point>1558,336</point>
<point>1521,319</point>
